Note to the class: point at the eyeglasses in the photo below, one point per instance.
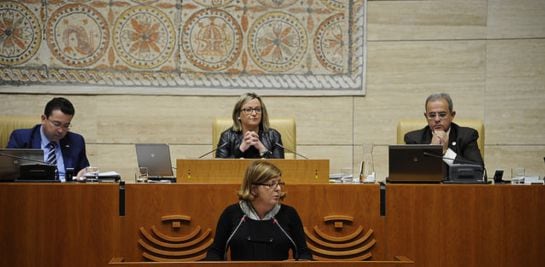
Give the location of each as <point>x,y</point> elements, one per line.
<point>250,110</point>
<point>58,124</point>
<point>433,115</point>
<point>273,185</point>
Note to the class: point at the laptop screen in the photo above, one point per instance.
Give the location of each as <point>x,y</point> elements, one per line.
<point>415,163</point>
<point>155,157</point>
<point>12,158</point>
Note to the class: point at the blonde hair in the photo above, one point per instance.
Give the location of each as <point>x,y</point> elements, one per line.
<point>237,126</point>
<point>259,172</point>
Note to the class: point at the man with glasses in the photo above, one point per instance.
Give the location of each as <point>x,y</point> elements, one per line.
<point>61,147</point>
<point>459,143</point>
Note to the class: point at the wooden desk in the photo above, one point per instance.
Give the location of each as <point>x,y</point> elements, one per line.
<point>58,224</point>
<point>309,171</point>
<point>398,261</point>
<point>198,206</point>
<point>467,225</point>
<point>433,225</point>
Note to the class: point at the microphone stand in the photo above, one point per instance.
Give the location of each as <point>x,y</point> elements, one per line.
<point>289,150</point>
<point>211,151</point>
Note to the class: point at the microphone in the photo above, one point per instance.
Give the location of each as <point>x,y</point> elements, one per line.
<point>231,236</point>
<point>289,150</point>
<point>295,250</point>
<point>213,150</point>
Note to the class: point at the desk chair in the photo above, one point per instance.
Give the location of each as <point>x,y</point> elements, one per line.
<point>8,123</point>
<point>285,126</point>
<point>406,125</point>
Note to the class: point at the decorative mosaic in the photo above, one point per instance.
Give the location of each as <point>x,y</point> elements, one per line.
<point>179,45</point>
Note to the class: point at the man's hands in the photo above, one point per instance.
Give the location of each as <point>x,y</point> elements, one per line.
<point>440,137</point>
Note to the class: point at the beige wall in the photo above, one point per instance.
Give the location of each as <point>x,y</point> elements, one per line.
<point>489,55</point>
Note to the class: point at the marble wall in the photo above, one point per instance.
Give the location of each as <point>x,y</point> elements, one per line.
<point>488,54</point>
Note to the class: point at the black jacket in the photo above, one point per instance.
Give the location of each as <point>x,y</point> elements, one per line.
<point>230,140</point>
<point>259,240</point>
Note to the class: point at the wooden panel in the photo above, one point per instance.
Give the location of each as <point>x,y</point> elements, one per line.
<point>232,170</point>
<point>466,225</point>
<point>434,225</point>
<point>401,261</point>
<point>203,203</point>
<point>58,225</point>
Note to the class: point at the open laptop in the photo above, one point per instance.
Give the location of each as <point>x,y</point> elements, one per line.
<point>415,164</point>
<point>156,157</point>
<point>11,160</point>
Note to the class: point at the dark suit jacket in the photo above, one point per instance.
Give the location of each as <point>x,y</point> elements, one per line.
<point>72,146</point>
<point>462,140</point>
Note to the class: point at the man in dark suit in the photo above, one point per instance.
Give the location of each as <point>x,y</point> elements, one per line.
<point>61,147</point>
<point>459,143</point>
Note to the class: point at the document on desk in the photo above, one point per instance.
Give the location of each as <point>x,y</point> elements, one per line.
<point>110,175</point>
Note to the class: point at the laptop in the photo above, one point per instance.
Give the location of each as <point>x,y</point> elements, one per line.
<point>11,160</point>
<point>155,157</point>
<point>415,163</point>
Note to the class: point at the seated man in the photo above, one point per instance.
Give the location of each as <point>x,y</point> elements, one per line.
<point>459,143</point>
<point>61,147</point>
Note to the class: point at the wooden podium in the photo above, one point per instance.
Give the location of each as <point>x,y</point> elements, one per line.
<point>90,224</point>
<point>397,261</point>
<point>307,171</point>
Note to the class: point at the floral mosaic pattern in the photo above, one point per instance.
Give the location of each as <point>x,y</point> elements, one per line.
<point>20,33</point>
<point>277,42</point>
<point>298,45</point>
<point>144,37</point>
<point>211,39</point>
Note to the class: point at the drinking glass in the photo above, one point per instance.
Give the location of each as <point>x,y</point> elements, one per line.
<point>91,173</point>
<point>141,175</point>
<point>517,175</point>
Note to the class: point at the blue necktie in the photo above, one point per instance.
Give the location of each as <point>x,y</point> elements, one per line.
<point>51,155</point>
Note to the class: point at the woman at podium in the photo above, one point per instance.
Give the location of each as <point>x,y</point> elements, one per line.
<point>259,227</point>
<point>250,136</point>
